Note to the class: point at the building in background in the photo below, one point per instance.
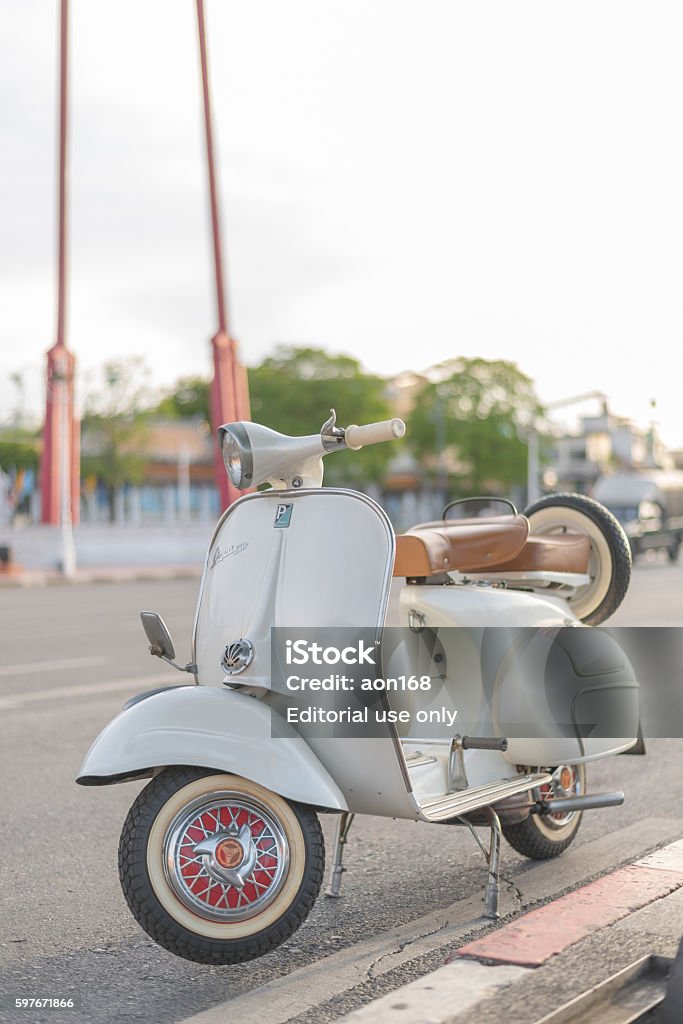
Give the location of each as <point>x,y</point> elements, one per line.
<point>603,444</point>
<point>177,485</point>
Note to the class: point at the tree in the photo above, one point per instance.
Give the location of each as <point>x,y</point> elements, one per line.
<point>188,397</point>
<point>476,412</point>
<point>19,456</point>
<point>19,449</point>
<point>114,425</point>
<point>293,390</point>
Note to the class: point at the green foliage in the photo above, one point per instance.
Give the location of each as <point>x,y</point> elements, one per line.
<point>474,411</point>
<point>187,398</point>
<point>477,411</point>
<point>293,390</point>
<point>19,449</point>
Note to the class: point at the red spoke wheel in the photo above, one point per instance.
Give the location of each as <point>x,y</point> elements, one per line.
<point>216,868</point>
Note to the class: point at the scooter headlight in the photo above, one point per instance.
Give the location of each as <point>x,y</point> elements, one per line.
<point>237,454</point>
<point>232,457</point>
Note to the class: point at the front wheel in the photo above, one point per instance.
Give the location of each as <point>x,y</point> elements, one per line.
<point>217,869</point>
<point>543,837</point>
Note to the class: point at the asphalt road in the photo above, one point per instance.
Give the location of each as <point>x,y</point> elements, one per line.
<point>70,656</point>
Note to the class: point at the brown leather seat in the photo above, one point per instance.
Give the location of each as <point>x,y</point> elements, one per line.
<point>561,552</point>
<point>499,544</point>
<point>433,548</point>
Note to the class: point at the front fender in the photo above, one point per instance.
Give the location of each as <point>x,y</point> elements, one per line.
<point>222,729</point>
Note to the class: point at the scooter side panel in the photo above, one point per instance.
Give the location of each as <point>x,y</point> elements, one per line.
<point>534,683</point>
<point>575,688</point>
<point>201,726</point>
<point>476,606</point>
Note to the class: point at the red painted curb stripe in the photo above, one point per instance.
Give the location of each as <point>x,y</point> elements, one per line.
<point>542,933</point>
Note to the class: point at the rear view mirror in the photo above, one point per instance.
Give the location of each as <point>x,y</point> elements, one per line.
<point>160,643</point>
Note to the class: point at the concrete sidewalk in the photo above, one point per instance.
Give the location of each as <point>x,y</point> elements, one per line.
<point>17,577</point>
<point>39,548</point>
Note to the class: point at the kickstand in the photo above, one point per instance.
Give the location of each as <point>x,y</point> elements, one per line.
<point>334,888</point>
<point>492,855</point>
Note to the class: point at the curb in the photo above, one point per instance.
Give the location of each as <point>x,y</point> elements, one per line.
<point>489,965</point>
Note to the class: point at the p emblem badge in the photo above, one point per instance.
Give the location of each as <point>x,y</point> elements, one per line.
<point>283,516</point>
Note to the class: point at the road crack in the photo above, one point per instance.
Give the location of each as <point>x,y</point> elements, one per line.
<point>514,890</point>
<point>371,969</point>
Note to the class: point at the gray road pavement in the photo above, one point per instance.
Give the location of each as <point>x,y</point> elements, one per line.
<point>70,657</point>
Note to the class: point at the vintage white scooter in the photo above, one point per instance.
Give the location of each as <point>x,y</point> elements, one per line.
<point>221,857</point>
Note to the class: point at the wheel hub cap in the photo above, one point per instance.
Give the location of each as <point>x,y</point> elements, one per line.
<point>226,857</point>
<point>229,853</point>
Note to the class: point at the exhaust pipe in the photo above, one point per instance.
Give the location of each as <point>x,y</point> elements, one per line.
<point>562,805</point>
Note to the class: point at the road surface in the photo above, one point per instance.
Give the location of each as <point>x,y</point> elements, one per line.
<point>70,656</point>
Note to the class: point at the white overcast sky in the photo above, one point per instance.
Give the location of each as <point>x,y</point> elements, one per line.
<point>402,181</point>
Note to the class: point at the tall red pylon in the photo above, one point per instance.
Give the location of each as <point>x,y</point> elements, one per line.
<point>229,394</point>
<point>60,459</point>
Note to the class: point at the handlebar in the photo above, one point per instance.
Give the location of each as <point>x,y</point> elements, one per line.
<point>372,433</point>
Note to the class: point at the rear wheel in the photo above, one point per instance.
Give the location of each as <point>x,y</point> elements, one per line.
<point>543,837</point>
<point>609,562</point>
<point>216,868</point>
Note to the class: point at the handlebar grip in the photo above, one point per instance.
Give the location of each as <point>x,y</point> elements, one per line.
<point>373,433</point>
<point>484,743</point>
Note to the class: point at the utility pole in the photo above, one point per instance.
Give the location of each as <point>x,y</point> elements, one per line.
<point>60,461</point>
<point>229,396</point>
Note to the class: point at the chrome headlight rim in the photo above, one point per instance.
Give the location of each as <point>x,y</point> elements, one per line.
<point>237,454</point>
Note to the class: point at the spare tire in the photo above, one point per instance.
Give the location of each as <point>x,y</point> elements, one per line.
<point>609,564</point>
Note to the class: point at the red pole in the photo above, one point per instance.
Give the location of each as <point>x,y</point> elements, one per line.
<point>229,393</point>
<point>60,362</point>
<point>63,128</point>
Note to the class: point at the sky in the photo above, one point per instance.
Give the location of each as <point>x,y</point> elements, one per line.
<point>405,182</point>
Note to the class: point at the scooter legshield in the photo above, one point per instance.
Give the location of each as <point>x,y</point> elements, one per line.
<point>306,559</point>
